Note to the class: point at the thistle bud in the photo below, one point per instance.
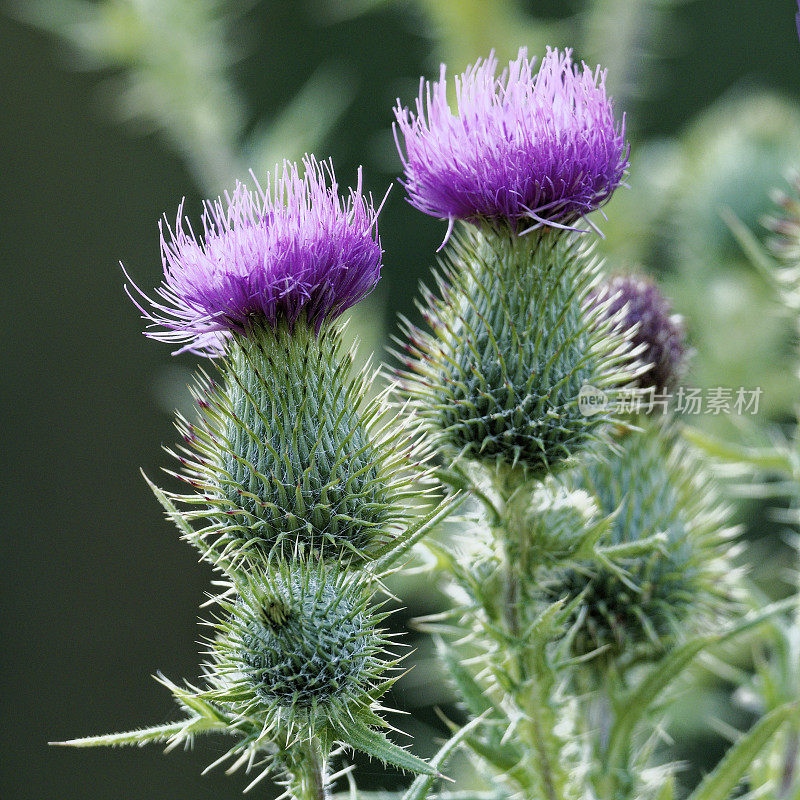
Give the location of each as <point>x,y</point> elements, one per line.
<point>298,659</point>
<point>636,303</point>
<point>560,524</point>
<point>297,662</point>
<point>672,538</point>
<point>299,643</point>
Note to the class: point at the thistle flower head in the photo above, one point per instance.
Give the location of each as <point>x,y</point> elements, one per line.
<point>660,335</point>
<point>524,147</point>
<point>292,249</point>
<point>296,656</point>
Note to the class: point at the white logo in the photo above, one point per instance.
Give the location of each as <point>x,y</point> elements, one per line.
<point>592,400</point>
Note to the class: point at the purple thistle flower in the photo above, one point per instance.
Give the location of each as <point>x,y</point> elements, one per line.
<point>542,147</point>
<point>661,334</point>
<point>293,249</point>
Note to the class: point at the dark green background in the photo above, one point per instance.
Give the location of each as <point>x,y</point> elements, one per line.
<point>97,592</point>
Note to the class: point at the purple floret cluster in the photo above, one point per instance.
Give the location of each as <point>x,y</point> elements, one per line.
<point>290,251</point>
<point>637,301</point>
<point>526,147</point>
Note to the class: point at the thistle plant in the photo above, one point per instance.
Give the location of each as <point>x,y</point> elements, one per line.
<point>597,559</point>
<point>299,478</point>
<point>598,562</point>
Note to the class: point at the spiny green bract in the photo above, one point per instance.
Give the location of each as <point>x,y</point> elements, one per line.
<point>289,452</point>
<point>299,643</point>
<point>656,488</point>
<point>512,344</point>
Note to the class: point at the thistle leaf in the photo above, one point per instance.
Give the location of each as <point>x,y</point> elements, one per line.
<point>469,691</point>
<point>759,257</point>
<point>168,505</point>
<point>643,547</point>
<point>158,733</point>
<point>390,553</point>
<point>636,705</point>
<point>504,758</point>
<point>360,737</point>
<point>768,458</point>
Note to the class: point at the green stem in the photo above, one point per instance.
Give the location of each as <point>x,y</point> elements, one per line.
<point>526,684</point>
<point>309,779</point>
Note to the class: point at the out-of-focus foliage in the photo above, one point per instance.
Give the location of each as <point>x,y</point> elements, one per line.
<point>171,63</point>
<point>732,157</point>
<point>625,36</point>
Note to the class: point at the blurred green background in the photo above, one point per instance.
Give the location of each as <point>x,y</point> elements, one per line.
<point>112,111</point>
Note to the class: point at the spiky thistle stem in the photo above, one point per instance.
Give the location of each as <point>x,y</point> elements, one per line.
<point>525,692</point>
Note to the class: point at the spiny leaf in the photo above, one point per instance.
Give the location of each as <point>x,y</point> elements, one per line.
<point>360,737</point>
<point>390,553</point>
<point>667,791</point>
<point>752,248</point>
<point>769,459</point>
<point>158,733</point>
<point>639,701</point>
<point>169,507</point>
<point>470,692</point>
<point>643,547</point>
